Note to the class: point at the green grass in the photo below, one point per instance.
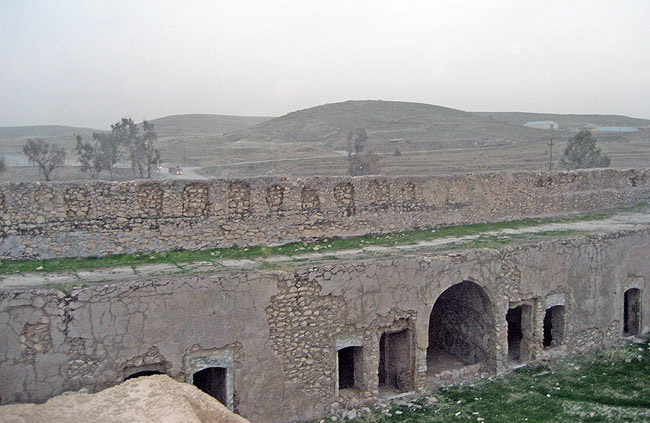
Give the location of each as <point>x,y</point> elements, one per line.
<point>610,386</point>
<point>67,287</point>
<point>498,241</point>
<point>296,248</point>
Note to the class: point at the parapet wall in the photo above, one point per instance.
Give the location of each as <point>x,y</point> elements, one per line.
<point>47,220</point>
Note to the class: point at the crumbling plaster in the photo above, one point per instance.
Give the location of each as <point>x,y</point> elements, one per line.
<point>282,328</point>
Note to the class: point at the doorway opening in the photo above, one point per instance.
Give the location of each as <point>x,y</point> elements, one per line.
<point>553,326</point>
<point>396,361</point>
<point>520,332</point>
<point>143,373</point>
<point>461,328</point>
<point>631,312</point>
<point>350,367</point>
<point>212,381</point>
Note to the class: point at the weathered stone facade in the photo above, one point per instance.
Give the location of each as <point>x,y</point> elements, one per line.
<point>46,220</point>
<point>277,335</point>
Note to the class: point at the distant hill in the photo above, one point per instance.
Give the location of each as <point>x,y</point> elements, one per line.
<point>414,123</point>
<point>570,122</point>
<point>202,124</point>
<point>41,131</point>
<point>12,138</point>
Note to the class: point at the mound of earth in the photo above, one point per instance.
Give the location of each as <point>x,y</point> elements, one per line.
<point>149,399</point>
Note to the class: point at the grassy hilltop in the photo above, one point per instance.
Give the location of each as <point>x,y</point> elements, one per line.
<point>386,120</point>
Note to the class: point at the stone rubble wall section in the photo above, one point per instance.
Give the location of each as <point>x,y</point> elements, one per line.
<point>283,328</point>
<point>69,219</point>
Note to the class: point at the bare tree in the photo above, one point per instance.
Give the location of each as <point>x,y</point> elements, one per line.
<point>361,163</point>
<point>348,146</point>
<point>144,155</point>
<point>107,149</point>
<point>360,140</point>
<point>88,157</point>
<point>47,157</point>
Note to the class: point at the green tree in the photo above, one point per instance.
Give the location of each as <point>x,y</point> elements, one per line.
<point>3,164</point>
<point>45,155</point>
<point>581,153</point>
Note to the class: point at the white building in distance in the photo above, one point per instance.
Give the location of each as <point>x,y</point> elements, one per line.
<point>542,124</point>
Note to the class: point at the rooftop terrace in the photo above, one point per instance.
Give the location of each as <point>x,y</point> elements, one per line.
<point>65,274</point>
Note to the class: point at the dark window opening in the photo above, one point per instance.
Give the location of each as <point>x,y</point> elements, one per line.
<point>631,312</point>
<point>515,334</point>
<point>143,373</point>
<point>396,361</point>
<point>212,381</point>
<point>350,371</point>
<point>553,326</point>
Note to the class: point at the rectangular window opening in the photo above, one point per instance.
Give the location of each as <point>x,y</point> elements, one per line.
<point>350,367</point>
<point>631,312</point>
<point>553,326</point>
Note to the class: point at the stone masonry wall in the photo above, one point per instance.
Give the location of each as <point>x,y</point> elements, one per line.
<point>278,332</point>
<point>64,219</point>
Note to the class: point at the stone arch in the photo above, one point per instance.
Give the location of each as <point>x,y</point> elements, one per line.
<point>462,328</point>
<point>149,363</point>
<point>77,202</point>
<point>309,198</point>
<point>274,197</point>
<point>408,192</point>
<point>133,372</point>
<point>379,192</point>
<point>150,198</point>
<point>195,199</point>
<point>344,196</point>
<point>239,197</point>
<point>43,194</point>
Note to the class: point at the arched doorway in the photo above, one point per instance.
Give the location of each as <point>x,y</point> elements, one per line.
<point>143,373</point>
<point>461,328</point>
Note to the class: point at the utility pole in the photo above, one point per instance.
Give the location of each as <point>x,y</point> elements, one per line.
<point>550,155</point>
<point>184,155</point>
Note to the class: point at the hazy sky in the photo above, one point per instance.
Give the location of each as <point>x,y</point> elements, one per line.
<point>87,63</point>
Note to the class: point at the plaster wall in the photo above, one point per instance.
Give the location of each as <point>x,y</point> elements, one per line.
<point>278,332</point>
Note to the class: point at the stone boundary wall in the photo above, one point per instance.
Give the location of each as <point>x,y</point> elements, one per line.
<point>278,333</point>
<point>66,219</point>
